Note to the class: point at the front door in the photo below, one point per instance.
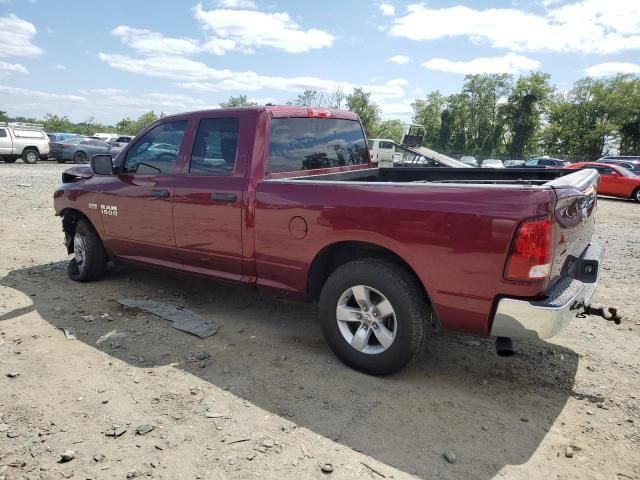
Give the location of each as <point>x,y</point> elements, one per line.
<point>137,204</point>
<point>207,208</point>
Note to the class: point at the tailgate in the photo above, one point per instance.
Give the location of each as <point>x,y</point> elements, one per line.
<point>574,213</point>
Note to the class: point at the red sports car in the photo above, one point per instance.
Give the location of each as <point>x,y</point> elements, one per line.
<point>615,181</point>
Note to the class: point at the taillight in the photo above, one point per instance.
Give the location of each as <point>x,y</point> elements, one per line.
<point>319,113</point>
<point>532,251</point>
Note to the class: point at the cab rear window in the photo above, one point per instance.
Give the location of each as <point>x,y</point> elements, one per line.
<point>311,143</point>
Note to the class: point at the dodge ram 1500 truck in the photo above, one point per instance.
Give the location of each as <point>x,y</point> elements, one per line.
<point>285,199</point>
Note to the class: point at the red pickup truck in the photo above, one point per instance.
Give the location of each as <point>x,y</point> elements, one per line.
<point>284,198</point>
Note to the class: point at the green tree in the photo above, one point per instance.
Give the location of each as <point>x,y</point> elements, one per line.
<point>360,102</point>
<point>239,101</point>
<point>428,112</point>
<point>527,103</point>
<point>485,96</point>
<point>392,129</point>
<point>3,116</point>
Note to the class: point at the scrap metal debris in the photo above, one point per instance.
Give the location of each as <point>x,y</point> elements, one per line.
<point>180,318</point>
<point>69,333</point>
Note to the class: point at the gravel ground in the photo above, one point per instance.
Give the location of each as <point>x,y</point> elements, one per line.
<point>133,397</point>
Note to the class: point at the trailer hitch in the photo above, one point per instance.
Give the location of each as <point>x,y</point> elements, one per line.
<point>608,313</point>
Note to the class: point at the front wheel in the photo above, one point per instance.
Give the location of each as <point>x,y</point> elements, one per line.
<point>80,157</point>
<point>374,315</point>
<point>89,260</point>
<point>30,156</point>
<point>636,195</point>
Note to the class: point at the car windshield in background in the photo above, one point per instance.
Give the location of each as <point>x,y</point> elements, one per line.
<point>309,143</point>
<point>625,172</point>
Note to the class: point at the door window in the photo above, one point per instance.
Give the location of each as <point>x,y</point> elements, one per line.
<point>156,153</point>
<point>215,147</point>
<point>386,145</point>
<point>3,132</point>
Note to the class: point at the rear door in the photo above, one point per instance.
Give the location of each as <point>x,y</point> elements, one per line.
<point>208,200</point>
<point>386,151</point>
<point>137,204</point>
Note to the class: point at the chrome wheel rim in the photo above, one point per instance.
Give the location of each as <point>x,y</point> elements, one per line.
<point>366,319</point>
<point>79,251</point>
<point>81,157</point>
<point>31,156</point>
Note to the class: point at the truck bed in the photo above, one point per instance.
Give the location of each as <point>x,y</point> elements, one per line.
<point>487,176</point>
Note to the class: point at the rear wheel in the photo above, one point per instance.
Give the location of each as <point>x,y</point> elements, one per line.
<point>636,194</point>
<point>80,157</point>
<point>89,260</point>
<point>30,155</point>
<point>60,160</point>
<point>374,315</point>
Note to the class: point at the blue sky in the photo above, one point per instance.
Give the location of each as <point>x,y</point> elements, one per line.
<point>83,58</point>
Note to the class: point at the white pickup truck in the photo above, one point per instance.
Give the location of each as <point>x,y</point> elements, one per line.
<point>23,140</point>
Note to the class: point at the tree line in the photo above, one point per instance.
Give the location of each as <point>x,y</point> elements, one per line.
<point>493,115</point>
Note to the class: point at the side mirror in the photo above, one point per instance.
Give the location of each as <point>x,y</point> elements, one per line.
<point>102,164</point>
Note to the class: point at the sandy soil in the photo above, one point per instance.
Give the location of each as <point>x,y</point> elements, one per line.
<point>271,401</point>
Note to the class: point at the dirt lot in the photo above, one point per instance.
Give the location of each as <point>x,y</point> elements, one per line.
<point>271,401</point>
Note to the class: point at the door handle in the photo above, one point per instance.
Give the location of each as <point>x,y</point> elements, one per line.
<point>224,197</point>
<point>160,193</point>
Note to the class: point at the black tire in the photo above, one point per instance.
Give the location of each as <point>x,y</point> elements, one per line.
<point>91,263</point>
<point>411,314</point>
<point>60,160</point>
<point>80,157</point>
<point>10,160</point>
<point>30,156</point>
<point>636,195</point>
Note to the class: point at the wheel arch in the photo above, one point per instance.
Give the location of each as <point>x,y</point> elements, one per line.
<point>337,254</point>
<point>70,218</point>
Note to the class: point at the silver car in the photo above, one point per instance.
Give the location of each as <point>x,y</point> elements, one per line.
<point>80,150</point>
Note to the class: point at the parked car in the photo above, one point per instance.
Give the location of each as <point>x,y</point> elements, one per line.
<point>514,163</point>
<point>23,140</point>
<point>58,137</point>
<point>382,151</point>
<point>469,160</point>
<point>545,162</point>
<point>615,180</point>
<point>285,199</point>
<point>631,164</point>
<point>492,163</point>
<point>120,141</point>
<point>81,149</point>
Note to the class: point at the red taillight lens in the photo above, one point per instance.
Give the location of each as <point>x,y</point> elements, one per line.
<point>532,251</point>
<point>319,113</point>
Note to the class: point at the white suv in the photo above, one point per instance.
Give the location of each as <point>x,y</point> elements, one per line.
<point>25,140</point>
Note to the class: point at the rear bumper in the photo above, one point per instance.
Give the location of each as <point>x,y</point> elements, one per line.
<point>516,318</point>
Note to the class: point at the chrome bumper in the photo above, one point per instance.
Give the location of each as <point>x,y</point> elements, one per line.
<point>545,318</point>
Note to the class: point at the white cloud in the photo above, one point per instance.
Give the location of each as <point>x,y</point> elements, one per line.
<point>16,36</point>
<point>237,4</point>
<point>586,26</point>
<point>200,77</point>
<point>105,104</point>
<point>401,59</point>
<point>509,63</point>
<point>60,67</point>
<point>10,68</point>
<point>612,68</point>
<point>36,94</point>
<point>248,29</point>
<point>387,9</point>
<point>148,42</point>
